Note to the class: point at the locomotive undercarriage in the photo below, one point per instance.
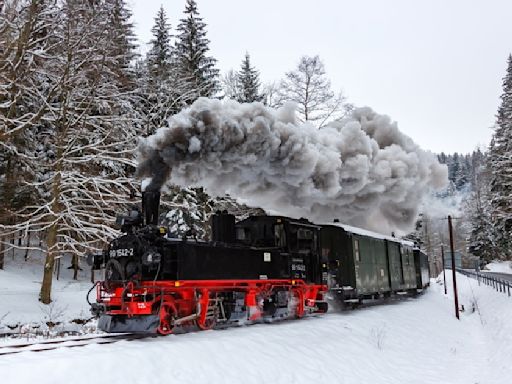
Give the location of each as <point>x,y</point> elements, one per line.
<point>164,306</point>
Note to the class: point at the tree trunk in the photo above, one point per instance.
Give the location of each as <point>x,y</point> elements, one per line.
<point>13,241</point>
<point>2,247</point>
<point>27,245</point>
<point>46,286</point>
<point>58,267</point>
<point>51,249</point>
<point>75,266</point>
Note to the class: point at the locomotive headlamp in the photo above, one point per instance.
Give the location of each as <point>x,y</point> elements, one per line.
<point>151,258</point>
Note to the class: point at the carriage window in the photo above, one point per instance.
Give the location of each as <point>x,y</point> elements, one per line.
<point>280,235</point>
<point>240,233</point>
<point>304,234</point>
<point>356,250</point>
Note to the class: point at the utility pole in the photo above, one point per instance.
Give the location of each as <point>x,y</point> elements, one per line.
<point>444,271</point>
<point>452,250</point>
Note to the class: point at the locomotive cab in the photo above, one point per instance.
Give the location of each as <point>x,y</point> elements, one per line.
<point>297,239</point>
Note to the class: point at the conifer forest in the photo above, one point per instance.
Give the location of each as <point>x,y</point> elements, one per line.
<point>76,96</point>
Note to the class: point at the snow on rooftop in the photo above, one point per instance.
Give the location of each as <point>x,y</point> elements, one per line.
<point>365,232</point>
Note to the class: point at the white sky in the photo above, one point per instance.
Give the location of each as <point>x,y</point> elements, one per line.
<point>434,66</point>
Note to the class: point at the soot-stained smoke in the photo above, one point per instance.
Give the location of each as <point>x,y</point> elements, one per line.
<point>361,170</point>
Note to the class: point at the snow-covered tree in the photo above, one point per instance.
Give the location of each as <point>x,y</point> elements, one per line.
<point>77,121</point>
<point>93,135</point>
<point>230,85</point>
<point>500,162</point>
<point>27,48</point>
<point>119,28</point>
<point>249,82</point>
<point>461,168</point>
<point>163,90</point>
<point>187,212</point>
<point>192,55</point>
<point>159,57</point>
<point>271,96</point>
<point>476,211</point>
<point>309,87</point>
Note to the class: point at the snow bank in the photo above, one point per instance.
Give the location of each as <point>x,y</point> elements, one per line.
<point>361,170</point>
<point>489,313</point>
<point>499,266</point>
<point>20,284</point>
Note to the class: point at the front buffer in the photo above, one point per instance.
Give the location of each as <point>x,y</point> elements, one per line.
<point>127,324</point>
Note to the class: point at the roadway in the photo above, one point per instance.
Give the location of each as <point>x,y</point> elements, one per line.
<point>499,275</point>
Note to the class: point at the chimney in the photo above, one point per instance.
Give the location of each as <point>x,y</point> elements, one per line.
<point>150,205</point>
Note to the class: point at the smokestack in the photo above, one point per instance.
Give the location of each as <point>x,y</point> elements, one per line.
<point>150,205</point>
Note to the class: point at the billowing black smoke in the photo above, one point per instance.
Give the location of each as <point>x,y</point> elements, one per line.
<point>362,169</point>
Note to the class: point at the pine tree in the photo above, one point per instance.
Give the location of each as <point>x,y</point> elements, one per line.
<point>476,209</point>
<point>500,162</point>
<point>249,83</point>
<point>159,58</point>
<point>163,91</point>
<point>122,40</point>
<point>187,212</point>
<point>191,55</point>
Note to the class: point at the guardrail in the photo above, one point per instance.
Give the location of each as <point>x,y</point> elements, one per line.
<point>500,285</point>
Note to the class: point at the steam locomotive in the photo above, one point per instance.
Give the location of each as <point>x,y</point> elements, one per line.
<point>263,268</point>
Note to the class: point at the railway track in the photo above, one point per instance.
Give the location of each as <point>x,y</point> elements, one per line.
<point>48,345</point>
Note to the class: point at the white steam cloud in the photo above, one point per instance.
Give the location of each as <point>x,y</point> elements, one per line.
<point>361,170</point>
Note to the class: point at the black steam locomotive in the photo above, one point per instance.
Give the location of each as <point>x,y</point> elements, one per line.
<point>261,268</point>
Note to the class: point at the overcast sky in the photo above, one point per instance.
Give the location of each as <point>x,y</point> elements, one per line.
<point>434,66</point>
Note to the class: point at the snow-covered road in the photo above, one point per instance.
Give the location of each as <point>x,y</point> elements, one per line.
<point>415,341</point>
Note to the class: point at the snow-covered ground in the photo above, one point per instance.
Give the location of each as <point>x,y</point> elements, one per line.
<point>20,284</point>
<point>413,341</point>
<point>499,266</point>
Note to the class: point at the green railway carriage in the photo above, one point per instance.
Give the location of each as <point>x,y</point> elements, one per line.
<point>364,264</point>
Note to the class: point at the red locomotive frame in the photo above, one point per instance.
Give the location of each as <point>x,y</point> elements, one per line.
<point>187,302</point>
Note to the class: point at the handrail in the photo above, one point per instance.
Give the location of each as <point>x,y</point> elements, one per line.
<point>500,285</point>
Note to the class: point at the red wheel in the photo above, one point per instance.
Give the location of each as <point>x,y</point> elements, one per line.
<point>206,324</point>
<point>208,316</point>
<point>167,313</point>
<point>296,303</point>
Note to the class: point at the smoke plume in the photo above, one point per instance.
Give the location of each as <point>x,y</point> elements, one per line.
<point>361,170</point>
